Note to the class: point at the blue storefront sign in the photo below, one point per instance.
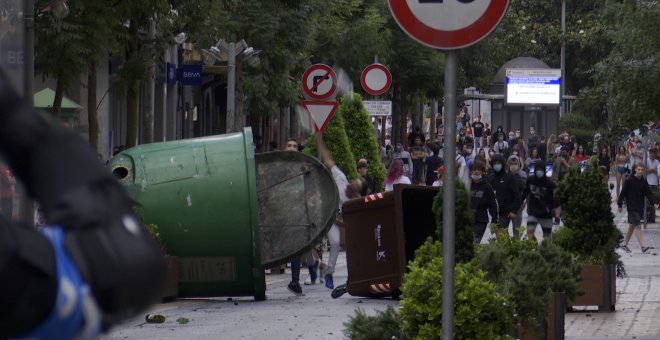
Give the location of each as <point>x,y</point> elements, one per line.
<point>190,75</point>
<point>167,73</point>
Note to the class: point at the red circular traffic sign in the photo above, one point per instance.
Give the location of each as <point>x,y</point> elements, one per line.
<point>376,79</point>
<point>319,81</point>
<point>448,24</point>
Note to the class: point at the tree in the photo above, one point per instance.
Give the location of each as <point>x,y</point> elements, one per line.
<point>627,75</point>
<point>339,147</point>
<point>362,137</point>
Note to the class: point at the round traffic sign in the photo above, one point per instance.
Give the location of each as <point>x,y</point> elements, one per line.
<point>376,79</point>
<point>448,24</point>
<point>319,81</point>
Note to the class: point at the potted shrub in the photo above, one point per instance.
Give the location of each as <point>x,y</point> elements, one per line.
<point>589,233</point>
<point>531,276</point>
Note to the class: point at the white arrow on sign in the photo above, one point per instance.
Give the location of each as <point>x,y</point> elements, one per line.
<point>320,112</point>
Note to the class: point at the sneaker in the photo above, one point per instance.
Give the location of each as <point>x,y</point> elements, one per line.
<point>626,249</point>
<point>294,287</point>
<point>645,249</point>
<point>309,282</point>
<point>328,281</point>
<point>313,273</point>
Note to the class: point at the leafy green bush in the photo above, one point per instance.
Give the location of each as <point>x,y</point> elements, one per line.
<point>527,274</point>
<point>336,140</point>
<point>384,325</point>
<point>361,136</point>
<point>464,222</point>
<point>590,232</point>
<point>480,311</point>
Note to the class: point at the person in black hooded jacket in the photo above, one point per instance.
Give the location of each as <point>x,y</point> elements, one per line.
<point>507,192</point>
<point>635,188</point>
<point>539,194</point>
<point>482,199</point>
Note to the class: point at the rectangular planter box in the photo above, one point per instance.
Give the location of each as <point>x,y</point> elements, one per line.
<point>171,285</point>
<point>599,286</point>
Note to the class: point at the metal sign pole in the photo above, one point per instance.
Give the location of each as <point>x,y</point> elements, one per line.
<point>449,197</point>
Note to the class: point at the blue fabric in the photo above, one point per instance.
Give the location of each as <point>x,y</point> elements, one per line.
<point>66,319</point>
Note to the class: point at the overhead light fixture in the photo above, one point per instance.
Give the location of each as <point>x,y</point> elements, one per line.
<point>211,56</point>
<point>251,55</point>
<point>59,8</point>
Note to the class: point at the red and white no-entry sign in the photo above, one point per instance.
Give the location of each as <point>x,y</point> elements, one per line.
<point>319,81</point>
<point>320,112</point>
<point>376,79</point>
<point>448,24</point>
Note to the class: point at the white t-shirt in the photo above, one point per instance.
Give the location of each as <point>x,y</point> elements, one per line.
<point>401,180</point>
<point>342,184</point>
<point>652,178</point>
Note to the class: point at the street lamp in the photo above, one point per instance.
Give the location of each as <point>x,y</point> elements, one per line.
<point>223,51</point>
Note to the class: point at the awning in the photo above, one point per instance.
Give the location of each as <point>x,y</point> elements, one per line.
<point>44,100</point>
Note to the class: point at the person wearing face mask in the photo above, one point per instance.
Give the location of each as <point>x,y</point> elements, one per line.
<point>506,191</point>
<point>515,168</point>
<point>482,199</point>
<point>500,146</point>
<point>512,138</point>
<point>496,135</point>
<point>539,197</point>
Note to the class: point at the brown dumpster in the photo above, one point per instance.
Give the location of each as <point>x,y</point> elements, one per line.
<point>382,233</point>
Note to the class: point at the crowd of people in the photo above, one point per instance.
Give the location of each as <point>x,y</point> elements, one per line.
<point>505,173</point>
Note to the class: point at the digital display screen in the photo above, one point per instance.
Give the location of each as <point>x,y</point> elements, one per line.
<point>533,86</point>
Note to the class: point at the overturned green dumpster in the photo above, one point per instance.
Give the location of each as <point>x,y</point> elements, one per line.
<point>225,213</point>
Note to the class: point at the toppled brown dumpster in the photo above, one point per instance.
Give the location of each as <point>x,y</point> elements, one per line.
<point>382,233</point>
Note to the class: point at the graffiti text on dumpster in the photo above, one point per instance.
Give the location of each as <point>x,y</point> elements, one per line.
<point>380,254</point>
<point>205,269</point>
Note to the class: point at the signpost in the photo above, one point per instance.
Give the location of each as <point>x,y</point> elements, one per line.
<point>319,82</point>
<point>320,112</point>
<point>378,108</point>
<point>376,79</point>
<point>448,25</point>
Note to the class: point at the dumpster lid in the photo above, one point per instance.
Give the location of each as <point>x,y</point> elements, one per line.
<point>297,199</point>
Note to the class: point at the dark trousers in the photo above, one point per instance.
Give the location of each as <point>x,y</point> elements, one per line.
<point>650,208</point>
<point>479,231</point>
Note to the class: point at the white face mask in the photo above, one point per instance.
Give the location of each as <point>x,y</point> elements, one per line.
<point>539,173</point>
<point>497,167</point>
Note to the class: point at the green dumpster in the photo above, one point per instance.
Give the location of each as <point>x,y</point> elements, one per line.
<point>209,199</point>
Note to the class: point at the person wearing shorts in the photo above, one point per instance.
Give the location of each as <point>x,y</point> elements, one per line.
<point>635,188</point>
<point>540,201</point>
